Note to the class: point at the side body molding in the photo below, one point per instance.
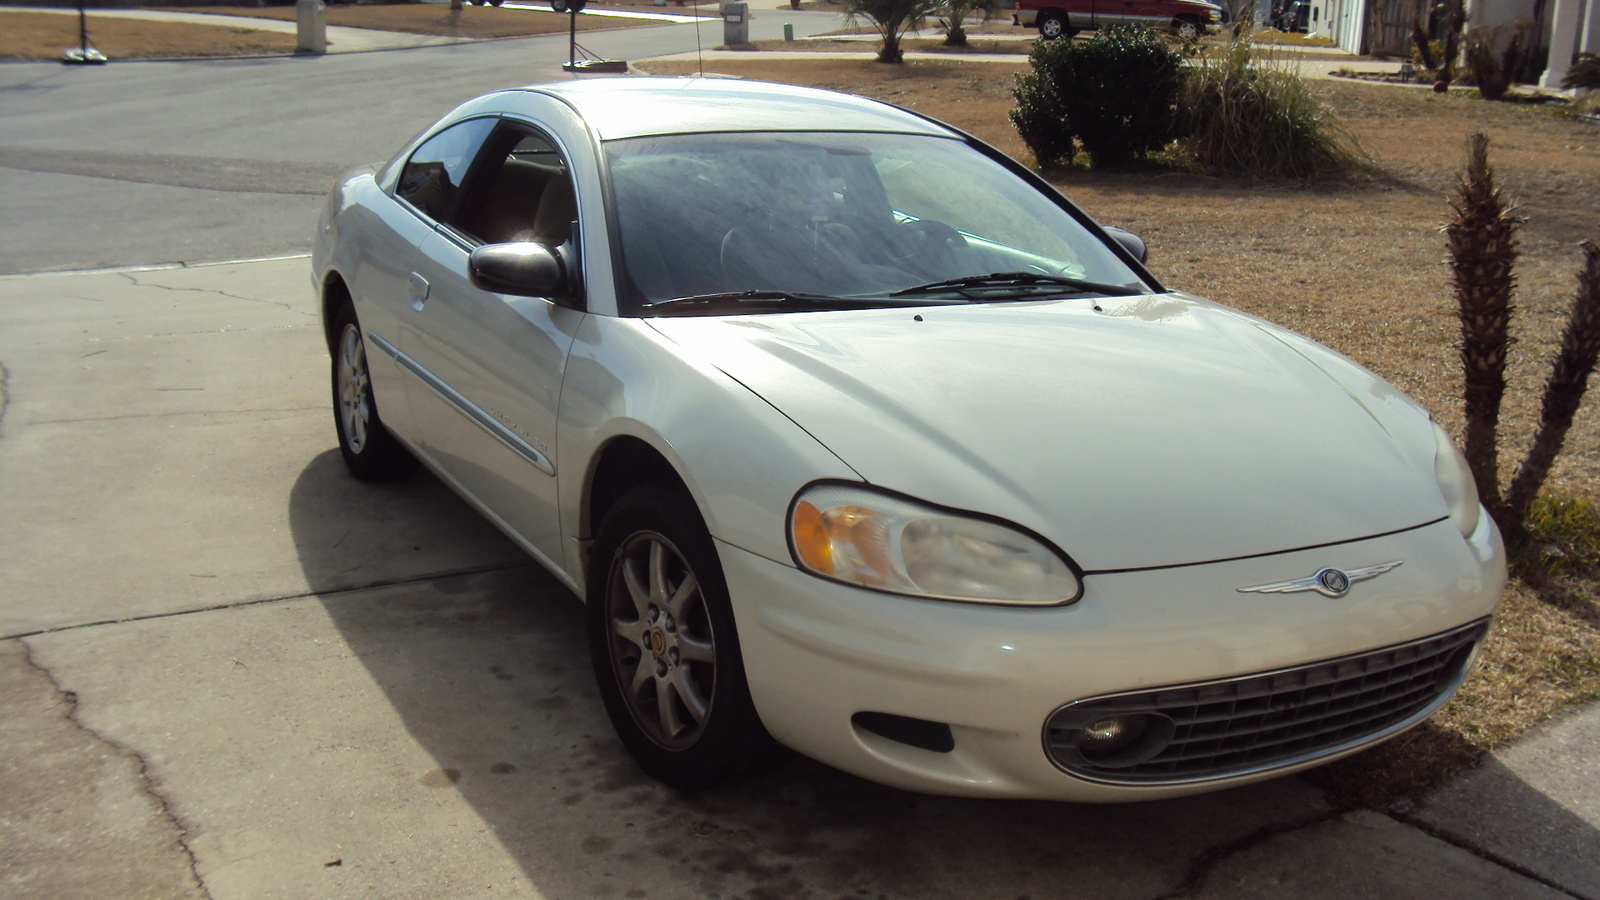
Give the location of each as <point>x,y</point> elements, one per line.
<point>467,408</point>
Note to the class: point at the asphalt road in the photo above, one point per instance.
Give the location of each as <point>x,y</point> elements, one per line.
<point>137,163</point>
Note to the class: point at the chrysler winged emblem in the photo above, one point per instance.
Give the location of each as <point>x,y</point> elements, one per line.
<point>1327,582</point>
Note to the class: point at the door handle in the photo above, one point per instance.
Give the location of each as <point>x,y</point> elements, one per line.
<point>419,291</point>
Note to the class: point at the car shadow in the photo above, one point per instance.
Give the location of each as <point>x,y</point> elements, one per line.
<point>489,672</point>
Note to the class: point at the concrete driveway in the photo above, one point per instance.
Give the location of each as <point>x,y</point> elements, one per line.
<point>228,670</point>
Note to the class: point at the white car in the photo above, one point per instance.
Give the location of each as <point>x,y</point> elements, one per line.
<point>857,438</point>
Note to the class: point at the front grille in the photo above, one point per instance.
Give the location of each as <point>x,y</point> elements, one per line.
<point>1231,727</point>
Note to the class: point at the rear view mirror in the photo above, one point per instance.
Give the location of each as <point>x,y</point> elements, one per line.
<point>1130,242</point>
<point>523,268</point>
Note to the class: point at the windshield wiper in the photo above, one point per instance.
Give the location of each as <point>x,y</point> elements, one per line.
<point>755,301</point>
<point>1020,279</point>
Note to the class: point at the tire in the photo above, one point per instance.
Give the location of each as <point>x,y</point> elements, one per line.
<point>1053,25</point>
<point>558,5</point>
<point>370,452</point>
<point>1186,29</point>
<point>665,649</point>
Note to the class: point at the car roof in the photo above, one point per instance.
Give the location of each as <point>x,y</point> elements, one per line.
<point>634,107</point>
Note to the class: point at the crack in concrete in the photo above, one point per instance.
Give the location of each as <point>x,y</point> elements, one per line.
<point>1401,812</point>
<point>1207,862</point>
<point>167,287</point>
<point>304,595</point>
<point>147,780</point>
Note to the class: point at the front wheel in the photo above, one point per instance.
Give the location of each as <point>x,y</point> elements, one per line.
<point>664,647</point>
<point>1052,26</point>
<point>370,452</point>
<point>558,5</point>
<point>1186,29</point>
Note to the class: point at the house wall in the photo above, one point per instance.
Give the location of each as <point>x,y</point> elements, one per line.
<point>1340,21</point>
<point>1487,13</point>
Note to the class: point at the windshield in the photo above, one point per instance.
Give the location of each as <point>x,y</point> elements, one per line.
<point>839,215</point>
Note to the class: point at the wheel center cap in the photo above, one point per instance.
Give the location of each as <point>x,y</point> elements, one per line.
<point>658,642</point>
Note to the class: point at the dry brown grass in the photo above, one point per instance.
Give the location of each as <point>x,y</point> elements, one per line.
<point>477,22</point>
<point>1360,266</point>
<point>42,36</point>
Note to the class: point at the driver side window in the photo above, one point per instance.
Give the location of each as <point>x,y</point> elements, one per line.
<point>432,177</point>
<point>524,192</point>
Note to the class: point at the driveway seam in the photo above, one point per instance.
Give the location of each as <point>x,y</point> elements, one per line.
<point>1401,812</point>
<point>1208,861</point>
<point>241,604</point>
<point>147,780</point>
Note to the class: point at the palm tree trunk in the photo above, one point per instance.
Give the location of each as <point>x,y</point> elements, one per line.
<point>1483,250</point>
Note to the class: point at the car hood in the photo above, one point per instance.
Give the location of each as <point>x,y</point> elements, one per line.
<point>1133,432</point>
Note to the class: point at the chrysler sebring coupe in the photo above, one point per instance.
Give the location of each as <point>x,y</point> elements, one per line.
<point>856,438</point>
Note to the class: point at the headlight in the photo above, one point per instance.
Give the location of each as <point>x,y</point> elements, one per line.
<point>1456,483</point>
<point>865,537</point>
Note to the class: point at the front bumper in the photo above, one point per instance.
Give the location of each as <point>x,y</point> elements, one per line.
<point>818,653</point>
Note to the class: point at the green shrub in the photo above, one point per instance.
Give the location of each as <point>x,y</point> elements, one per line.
<point>1259,119</point>
<point>1113,94</point>
<point>1041,115</point>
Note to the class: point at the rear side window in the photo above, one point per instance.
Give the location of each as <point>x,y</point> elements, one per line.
<point>431,179</point>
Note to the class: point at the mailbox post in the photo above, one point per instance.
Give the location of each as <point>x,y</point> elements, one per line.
<point>311,30</point>
<point>735,23</point>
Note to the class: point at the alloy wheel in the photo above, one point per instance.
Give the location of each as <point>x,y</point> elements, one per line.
<point>662,646</point>
<point>354,409</point>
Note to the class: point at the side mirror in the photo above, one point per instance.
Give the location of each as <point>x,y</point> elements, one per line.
<point>1130,242</point>
<point>524,268</point>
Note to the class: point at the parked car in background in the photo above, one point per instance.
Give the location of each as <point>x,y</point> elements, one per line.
<point>1292,16</point>
<point>856,437</point>
<point>1065,18</point>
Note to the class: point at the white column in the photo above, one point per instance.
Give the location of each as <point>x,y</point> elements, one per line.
<point>1563,41</point>
<point>1590,42</point>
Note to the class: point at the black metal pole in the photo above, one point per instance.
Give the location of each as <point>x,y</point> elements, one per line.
<point>83,30</point>
<point>572,35</point>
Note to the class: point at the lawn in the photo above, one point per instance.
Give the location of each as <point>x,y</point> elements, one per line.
<point>1359,264</point>
<point>42,36</point>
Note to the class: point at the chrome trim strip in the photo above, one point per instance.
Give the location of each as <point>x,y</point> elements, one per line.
<point>466,407</point>
<point>1301,759</point>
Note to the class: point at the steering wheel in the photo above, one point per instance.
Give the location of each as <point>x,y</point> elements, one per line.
<point>924,238</point>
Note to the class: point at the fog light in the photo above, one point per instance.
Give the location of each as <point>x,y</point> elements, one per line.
<point>1123,740</point>
<point>1110,734</point>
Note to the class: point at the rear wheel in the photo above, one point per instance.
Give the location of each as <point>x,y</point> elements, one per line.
<point>1053,25</point>
<point>369,450</point>
<point>664,647</point>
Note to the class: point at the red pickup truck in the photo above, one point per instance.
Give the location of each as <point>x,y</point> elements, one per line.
<point>1065,18</point>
